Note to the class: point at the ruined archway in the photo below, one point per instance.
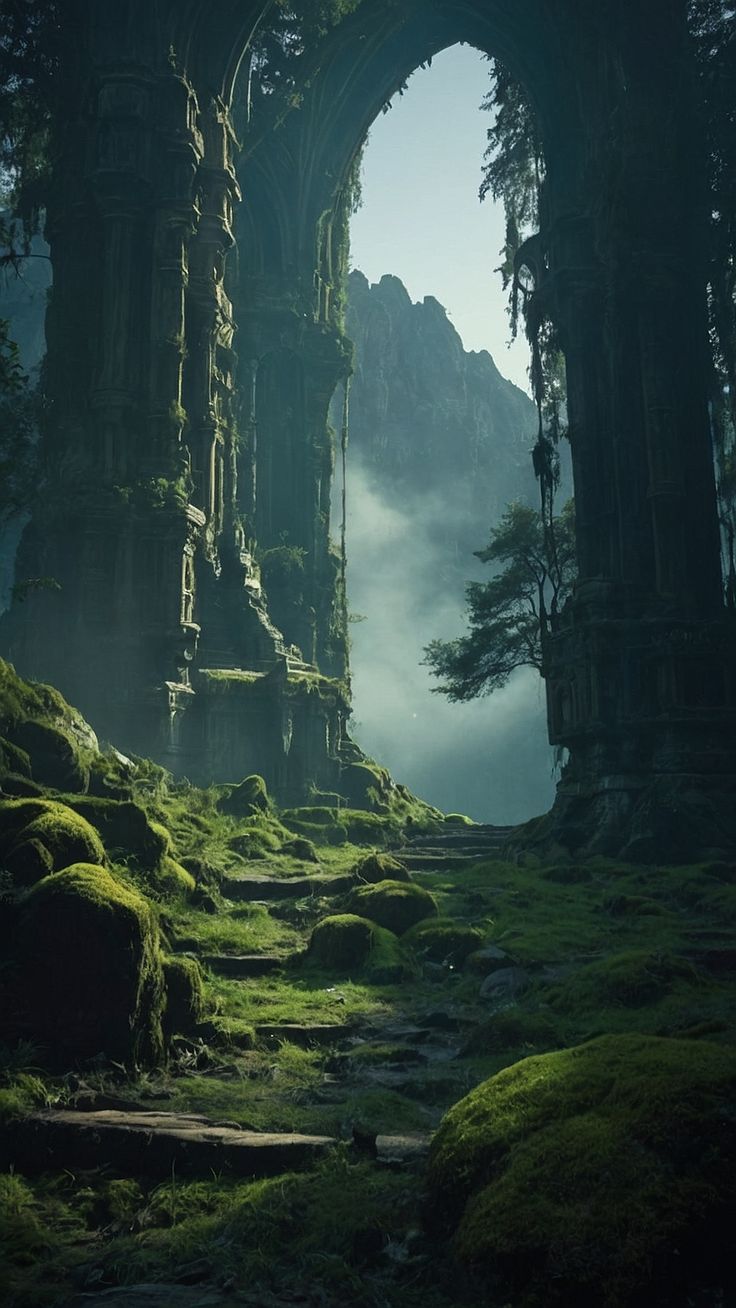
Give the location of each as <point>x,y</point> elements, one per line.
<point>156,400</point>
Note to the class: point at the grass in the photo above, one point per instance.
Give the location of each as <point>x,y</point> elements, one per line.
<point>609,949</point>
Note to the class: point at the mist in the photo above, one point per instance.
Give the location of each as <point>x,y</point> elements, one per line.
<point>489,759</point>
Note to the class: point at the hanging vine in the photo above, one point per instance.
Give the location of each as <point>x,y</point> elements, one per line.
<point>513,173</point>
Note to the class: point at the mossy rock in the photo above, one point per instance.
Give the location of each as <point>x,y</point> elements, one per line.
<point>246,799</point>
<point>458,820</point>
<point>300,848</point>
<point>173,879</point>
<point>368,828</point>
<point>55,758</point>
<point>319,832</point>
<point>125,827</point>
<point>443,940</point>
<point>512,1029</point>
<point>392,904</point>
<point>351,945</point>
<point>313,814</point>
<point>89,977</point>
<point>254,842</point>
<point>13,759</point>
<point>66,837</point>
<point>600,1174</point>
<point>185,1002</point>
<point>380,867</point>
<point>365,785</point>
<point>629,980</point>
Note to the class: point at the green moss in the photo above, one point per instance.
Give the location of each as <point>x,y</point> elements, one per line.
<point>55,757</point>
<point>365,785</point>
<point>173,879</point>
<point>313,815</point>
<point>512,1029</point>
<point>380,867</point>
<point>185,1003</point>
<point>585,1175</point>
<point>352,945</point>
<point>89,973</point>
<point>125,828</point>
<point>246,799</point>
<point>392,904</point>
<point>631,979</point>
<point>443,940</point>
<point>13,759</point>
<point>64,836</point>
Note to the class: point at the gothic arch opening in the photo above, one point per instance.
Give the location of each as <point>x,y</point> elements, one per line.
<point>439,445</point>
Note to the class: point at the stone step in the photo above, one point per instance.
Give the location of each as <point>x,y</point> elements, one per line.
<point>251,887</point>
<point>437,862</point>
<point>242,966</point>
<point>469,841</point>
<point>304,1034</point>
<point>152,1144</point>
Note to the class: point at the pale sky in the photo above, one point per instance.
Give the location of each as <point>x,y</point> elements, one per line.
<point>421,218</point>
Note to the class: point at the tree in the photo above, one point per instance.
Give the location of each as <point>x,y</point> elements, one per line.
<point>19,413</point>
<point>511,615</point>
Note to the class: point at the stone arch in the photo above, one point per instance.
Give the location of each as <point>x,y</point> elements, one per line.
<point>147,384</point>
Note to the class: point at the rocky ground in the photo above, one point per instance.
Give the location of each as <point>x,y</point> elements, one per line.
<point>232,1036</point>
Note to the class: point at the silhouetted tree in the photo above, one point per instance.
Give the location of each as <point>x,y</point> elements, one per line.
<point>511,615</point>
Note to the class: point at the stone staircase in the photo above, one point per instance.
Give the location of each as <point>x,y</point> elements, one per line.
<point>133,1141</point>
<point>453,850</point>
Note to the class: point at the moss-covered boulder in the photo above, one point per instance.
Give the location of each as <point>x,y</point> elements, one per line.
<point>88,968</point>
<point>380,867</point>
<point>55,756</point>
<point>626,980</point>
<point>512,1029</point>
<point>392,904</point>
<point>600,1174</point>
<point>185,1004</point>
<point>125,828</point>
<point>443,940</point>
<point>351,945</point>
<point>174,879</point>
<point>365,785</point>
<point>42,836</point>
<point>245,800</point>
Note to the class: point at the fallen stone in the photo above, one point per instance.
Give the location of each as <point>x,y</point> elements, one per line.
<point>505,983</point>
<point>153,1296</point>
<point>304,1034</point>
<point>250,887</point>
<point>151,1144</point>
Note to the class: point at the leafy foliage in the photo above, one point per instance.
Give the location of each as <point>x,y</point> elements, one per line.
<point>511,614</point>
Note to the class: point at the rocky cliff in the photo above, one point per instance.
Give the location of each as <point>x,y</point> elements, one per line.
<point>428,416</point>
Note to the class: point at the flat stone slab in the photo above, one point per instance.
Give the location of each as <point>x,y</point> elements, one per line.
<point>408,1148</point>
<point>251,886</point>
<point>240,966</point>
<point>304,1034</point>
<point>152,1144</point>
<point>153,1296</point>
<point>439,862</point>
